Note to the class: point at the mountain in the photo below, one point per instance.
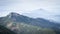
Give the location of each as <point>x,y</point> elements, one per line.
<point>33,21</point>
<point>19,23</point>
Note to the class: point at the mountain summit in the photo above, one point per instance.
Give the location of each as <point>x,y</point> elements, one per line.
<point>17,17</point>
<point>13,14</point>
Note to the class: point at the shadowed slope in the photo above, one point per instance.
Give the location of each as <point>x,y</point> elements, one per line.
<point>4,30</point>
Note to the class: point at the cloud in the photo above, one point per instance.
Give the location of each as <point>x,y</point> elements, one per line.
<point>26,6</point>
<point>30,4</point>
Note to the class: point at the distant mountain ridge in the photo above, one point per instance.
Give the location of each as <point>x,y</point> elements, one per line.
<point>39,22</point>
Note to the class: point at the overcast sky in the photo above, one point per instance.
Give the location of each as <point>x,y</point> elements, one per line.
<point>28,6</point>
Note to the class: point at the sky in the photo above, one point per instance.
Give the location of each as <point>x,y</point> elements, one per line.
<point>32,8</point>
